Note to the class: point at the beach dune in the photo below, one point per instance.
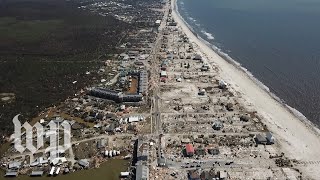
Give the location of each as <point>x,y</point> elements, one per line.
<point>298,139</point>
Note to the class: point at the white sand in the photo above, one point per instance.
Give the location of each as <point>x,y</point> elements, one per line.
<point>297,139</point>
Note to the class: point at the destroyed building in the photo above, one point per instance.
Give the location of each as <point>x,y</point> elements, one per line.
<point>142,172</point>
<point>115,95</point>
<point>142,153</point>
<point>266,139</point>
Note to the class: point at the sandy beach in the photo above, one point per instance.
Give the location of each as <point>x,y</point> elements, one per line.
<point>298,139</point>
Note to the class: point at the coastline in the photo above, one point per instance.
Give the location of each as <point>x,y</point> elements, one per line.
<point>297,136</point>
<point>227,58</point>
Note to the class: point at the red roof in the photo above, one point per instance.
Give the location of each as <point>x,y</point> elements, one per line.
<point>189,148</point>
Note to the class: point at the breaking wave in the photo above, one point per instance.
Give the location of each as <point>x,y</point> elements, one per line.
<point>192,19</point>
<point>209,35</point>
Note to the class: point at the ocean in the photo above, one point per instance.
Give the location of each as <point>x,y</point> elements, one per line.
<point>277,41</point>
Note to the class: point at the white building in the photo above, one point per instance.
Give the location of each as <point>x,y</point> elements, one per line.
<point>124,174</point>
<point>158,22</point>
<point>163,74</point>
<point>135,118</point>
<point>222,84</point>
<point>52,171</point>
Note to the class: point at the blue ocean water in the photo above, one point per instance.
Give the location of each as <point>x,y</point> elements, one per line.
<point>278,41</point>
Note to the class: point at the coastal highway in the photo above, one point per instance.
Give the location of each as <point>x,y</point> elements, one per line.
<point>155,79</point>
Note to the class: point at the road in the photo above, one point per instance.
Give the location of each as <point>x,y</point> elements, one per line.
<point>155,80</point>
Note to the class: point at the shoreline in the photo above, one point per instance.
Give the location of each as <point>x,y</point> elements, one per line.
<point>297,136</point>
<point>236,64</point>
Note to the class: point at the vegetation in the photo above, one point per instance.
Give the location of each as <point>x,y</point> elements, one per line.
<point>45,45</point>
<point>23,31</point>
